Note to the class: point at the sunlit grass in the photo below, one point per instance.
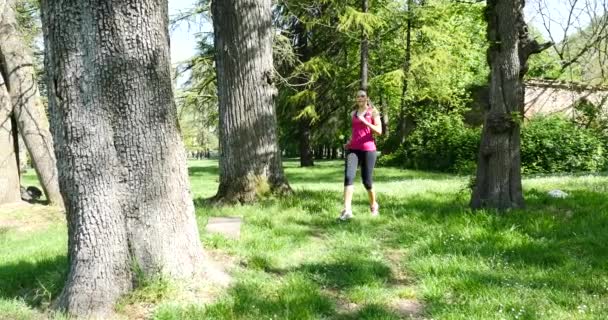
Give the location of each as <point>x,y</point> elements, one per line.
<point>295,261</point>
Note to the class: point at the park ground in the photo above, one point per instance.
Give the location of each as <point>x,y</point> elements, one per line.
<point>427,256</point>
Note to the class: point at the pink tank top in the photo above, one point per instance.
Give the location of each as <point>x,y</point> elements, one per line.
<point>361,137</point>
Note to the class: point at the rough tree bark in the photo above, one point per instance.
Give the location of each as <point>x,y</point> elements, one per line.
<point>9,157</point>
<point>250,159</point>
<point>18,71</point>
<point>122,168</point>
<point>498,181</point>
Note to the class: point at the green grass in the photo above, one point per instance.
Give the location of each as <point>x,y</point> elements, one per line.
<point>295,261</point>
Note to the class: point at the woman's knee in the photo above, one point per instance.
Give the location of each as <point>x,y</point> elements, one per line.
<point>368,184</point>
<point>349,180</point>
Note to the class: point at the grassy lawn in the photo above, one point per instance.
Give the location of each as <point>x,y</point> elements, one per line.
<point>426,252</point>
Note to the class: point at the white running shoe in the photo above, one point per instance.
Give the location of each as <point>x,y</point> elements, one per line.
<point>375,209</point>
<point>345,215</point>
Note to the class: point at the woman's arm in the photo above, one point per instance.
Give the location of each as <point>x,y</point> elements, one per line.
<point>376,126</point>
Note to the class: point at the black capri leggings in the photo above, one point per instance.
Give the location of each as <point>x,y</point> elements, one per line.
<point>367,159</point>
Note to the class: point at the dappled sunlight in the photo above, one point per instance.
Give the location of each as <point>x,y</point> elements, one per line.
<point>427,249</point>
<point>457,257</point>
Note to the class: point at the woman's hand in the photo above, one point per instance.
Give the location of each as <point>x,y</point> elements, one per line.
<point>376,126</point>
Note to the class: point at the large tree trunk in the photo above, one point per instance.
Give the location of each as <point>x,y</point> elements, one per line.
<point>18,71</point>
<point>9,160</point>
<point>363,73</point>
<point>122,168</point>
<point>250,159</point>
<point>498,182</point>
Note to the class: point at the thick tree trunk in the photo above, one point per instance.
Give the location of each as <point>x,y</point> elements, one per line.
<point>498,182</point>
<point>9,157</point>
<point>19,74</point>
<point>122,166</point>
<point>250,159</point>
<point>364,52</point>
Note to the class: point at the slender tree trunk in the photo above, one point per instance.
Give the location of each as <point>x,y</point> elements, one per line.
<point>250,159</point>
<point>9,156</point>
<point>304,123</point>
<point>122,168</point>
<point>306,157</point>
<point>18,71</point>
<point>405,120</point>
<point>364,51</point>
<point>383,108</point>
<point>319,152</point>
<point>498,182</point>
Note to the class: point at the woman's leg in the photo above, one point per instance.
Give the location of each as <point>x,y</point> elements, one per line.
<point>367,173</point>
<point>350,169</point>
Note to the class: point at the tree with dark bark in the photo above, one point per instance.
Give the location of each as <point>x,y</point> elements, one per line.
<point>250,159</point>
<point>27,111</point>
<point>121,160</point>
<point>498,181</point>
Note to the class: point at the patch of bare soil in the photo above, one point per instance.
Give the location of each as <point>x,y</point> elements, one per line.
<point>25,217</point>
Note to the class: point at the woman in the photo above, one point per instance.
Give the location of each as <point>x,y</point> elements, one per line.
<point>361,149</point>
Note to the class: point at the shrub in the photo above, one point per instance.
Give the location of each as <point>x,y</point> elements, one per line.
<point>554,144</point>
<point>439,143</point>
<point>549,145</point>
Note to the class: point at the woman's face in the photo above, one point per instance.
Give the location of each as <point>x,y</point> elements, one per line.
<point>361,98</point>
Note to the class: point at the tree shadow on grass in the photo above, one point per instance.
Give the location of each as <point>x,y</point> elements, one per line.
<point>294,298</point>
<point>336,175</point>
<point>299,296</point>
<point>563,240</point>
<point>37,283</point>
<point>347,272</point>
<point>369,312</point>
<point>565,237</point>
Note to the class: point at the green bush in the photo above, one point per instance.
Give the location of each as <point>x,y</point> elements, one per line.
<point>549,144</point>
<point>554,144</point>
<point>439,143</point>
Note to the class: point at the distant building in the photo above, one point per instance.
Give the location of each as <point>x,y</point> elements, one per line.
<point>547,97</point>
<point>543,97</point>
